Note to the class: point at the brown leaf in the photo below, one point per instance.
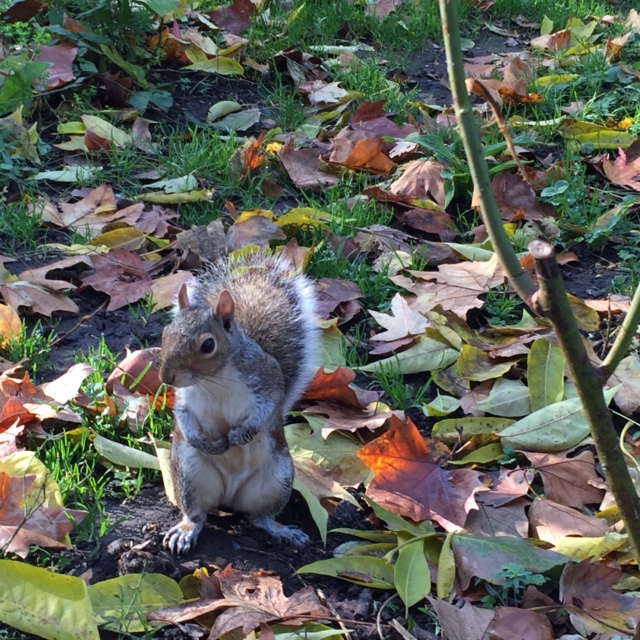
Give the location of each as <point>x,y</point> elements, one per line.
<point>40,295</point>
<point>61,57</point>
<point>234,17</point>
<point>567,480</point>
<point>382,8</point>
<point>437,222</point>
<point>20,528</point>
<point>507,520</point>
<point>408,482</point>
<point>255,230</point>
<point>122,275</point>
<point>336,386</point>
<point>624,171</point>
<point>334,293</point>
<point>462,622</point>
<point>365,154</point>
<point>457,287</point>
<point>514,194</point>
<point>249,601</point>
<point>303,167</point>
<point>91,214</point>
<point>553,41</point>
<point>421,180</point>
<point>165,289</point>
<point>508,485</point>
<point>586,591</point>
<point>552,521</point>
<point>131,368</point>
<point>512,623</point>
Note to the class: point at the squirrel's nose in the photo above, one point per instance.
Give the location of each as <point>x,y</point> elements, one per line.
<point>167,377</point>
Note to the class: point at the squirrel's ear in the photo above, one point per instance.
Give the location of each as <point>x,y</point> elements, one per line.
<point>183,297</point>
<point>225,308</point>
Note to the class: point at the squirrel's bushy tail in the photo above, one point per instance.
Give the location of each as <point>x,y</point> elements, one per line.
<point>275,307</point>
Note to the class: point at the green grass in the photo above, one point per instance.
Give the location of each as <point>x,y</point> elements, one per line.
<point>559,12</point>
<point>34,345</point>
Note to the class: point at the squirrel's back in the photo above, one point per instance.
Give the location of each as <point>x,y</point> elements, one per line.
<point>275,307</point>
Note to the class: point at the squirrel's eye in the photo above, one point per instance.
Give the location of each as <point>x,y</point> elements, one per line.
<point>208,345</point>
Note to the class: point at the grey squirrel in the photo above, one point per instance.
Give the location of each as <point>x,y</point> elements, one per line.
<point>240,351</point>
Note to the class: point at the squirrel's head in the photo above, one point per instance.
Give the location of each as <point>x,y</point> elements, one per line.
<point>196,343</point>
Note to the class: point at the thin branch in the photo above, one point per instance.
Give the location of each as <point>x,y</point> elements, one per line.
<point>520,279</point>
<point>623,340</point>
<point>552,302</point>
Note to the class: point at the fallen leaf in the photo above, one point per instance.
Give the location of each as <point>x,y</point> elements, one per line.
<point>402,322</point>
<point>409,482</point>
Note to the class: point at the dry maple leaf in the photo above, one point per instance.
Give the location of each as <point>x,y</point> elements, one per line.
<point>625,169</point>
<point>421,180</point>
<point>249,601</point>
<point>336,386</point>
<point>353,150</point>
<point>552,521</point>
<point>122,275</point>
<point>61,57</point>
<point>408,482</point>
<point>403,321</point>
<point>303,167</point>
<point>21,527</point>
<point>567,480</point>
<point>586,591</point>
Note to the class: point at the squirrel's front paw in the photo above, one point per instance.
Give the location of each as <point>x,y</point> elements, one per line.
<point>182,537</point>
<point>241,435</point>
<point>210,447</point>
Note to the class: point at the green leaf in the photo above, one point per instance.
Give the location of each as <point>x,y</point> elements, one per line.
<point>508,398</point>
<point>71,174</point>
<point>318,512</point>
<point>366,534</point>
<point>442,405</point>
<point>308,631</point>
<point>240,121</point>
<point>45,604</point>
<point>545,374</point>
<point>426,355</point>
<point>120,603</point>
<point>452,430</point>
<point>398,523</point>
<point>221,109</point>
<point>411,574</point>
<point>486,555</point>
<point>482,455</point>
<point>365,571</point>
<point>220,65</point>
<point>554,428</point>
<point>446,579</point>
<point>106,130</point>
<point>162,7</point>
<point>124,456</point>
<point>133,70</point>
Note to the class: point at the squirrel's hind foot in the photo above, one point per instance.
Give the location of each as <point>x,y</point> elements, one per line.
<point>183,536</point>
<point>283,533</point>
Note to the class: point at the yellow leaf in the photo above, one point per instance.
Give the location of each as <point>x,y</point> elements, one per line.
<point>160,197</point>
<point>124,238</point>
<point>546,28</point>
<point>252,213</point>
<point>45,604</point>
<point>581,133</point>
<point>222,66</point>
<point>305,217</point>
<point>107,131</point>
<point>10,324</point>
<point>560,78</point>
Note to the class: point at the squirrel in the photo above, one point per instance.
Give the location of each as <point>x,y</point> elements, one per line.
<point>240,351</point>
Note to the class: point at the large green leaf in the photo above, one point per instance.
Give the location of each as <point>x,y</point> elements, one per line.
<point>45,604</point>
<point>426,355</point>
<point>120,603</point>
<point>366,571</point>
<point>545,374</point>
<point>554,428</point>
<point>508,398</point>
<point>411,574</point>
